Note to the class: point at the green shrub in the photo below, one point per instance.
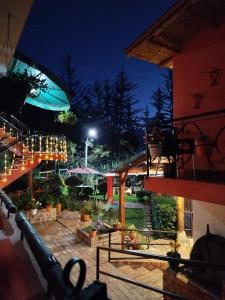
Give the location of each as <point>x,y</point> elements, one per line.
<point>73,181</point>
<point>102,187</point>
<point>143,195</point>
<point>163,213</point>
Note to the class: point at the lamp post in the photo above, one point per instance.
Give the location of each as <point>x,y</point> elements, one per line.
<point>92,133</point>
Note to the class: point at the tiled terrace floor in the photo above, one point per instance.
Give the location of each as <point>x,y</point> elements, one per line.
<point>60,237</point>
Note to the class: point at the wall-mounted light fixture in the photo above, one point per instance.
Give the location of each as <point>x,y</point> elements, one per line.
<point>197,98</point>
<point>214,75</point>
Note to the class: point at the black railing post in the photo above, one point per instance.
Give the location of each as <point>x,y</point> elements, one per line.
<point>109,252</point>
<point>97,264</point>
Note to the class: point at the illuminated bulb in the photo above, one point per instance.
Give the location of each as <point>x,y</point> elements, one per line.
<point>39,160</point>
<point>4,179</point>
<point>32,162</point>
<point>23,168</point>
<point>46,156</point>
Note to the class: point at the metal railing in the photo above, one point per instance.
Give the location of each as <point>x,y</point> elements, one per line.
<point>137,255</point>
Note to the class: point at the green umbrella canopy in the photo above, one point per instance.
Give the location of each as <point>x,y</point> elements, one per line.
<point>55,97</point>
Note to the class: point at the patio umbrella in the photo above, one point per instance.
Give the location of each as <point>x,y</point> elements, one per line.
<point>84,170</point>
<point>55,97</point>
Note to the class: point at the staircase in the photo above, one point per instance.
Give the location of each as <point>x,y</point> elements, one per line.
<point>22,151</point>
<point>122,290</point>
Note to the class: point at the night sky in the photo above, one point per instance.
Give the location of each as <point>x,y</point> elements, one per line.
<point>95,34</point>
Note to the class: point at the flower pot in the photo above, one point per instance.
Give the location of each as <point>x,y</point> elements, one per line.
<point>85,218</point>
<point>174,265</point>
<point>48,207</point>
<point>92,234</point>
<point>203,148</point>
<point>34,211</point>
<point>155,150</point>
<point>58,208</point>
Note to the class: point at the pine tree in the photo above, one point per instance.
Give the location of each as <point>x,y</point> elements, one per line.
<point>74,86</point>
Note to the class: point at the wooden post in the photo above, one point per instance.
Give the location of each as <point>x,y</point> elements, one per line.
<point>122,179</point>
<point>110,180</point>
<point>180,214</point>
<point>30,182</point>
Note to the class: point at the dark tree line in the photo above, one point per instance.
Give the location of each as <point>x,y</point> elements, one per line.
<point>111,107</point>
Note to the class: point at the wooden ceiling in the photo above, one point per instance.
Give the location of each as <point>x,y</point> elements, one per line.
<point>179,24</point>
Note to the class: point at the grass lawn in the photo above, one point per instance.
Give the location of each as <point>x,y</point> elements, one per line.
<point>135,216</point>
<point>128,198</point>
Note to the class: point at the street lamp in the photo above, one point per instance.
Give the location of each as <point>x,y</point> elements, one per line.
<point>92,133</point>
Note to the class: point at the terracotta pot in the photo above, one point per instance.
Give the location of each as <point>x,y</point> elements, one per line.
<point>48,207</point>
<point>58,208</point>
<point>203,148</point>
<point>155,150</point>
<point>85,218</point>
<point>92,234</point>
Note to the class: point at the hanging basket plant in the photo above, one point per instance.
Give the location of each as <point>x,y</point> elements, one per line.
<point>16,87</point>
<point>66,117</point>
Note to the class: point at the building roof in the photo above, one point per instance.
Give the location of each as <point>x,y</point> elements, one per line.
<point>167,36</point>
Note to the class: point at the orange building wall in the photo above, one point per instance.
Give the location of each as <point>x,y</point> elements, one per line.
<point>204,51</point>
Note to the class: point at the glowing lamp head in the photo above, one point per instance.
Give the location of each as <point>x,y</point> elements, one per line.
<point>92,133</point>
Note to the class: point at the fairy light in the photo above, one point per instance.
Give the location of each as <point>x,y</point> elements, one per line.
<point>40,143</point>
<point>5,164</point>
<point>61,146</point>
<point>47,144</point>
<point>32,147</point>
<point>56,145</point>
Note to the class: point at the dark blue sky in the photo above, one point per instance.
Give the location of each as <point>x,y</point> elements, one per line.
<point>95,33</point>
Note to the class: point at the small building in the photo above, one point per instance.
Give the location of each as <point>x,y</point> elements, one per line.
<point>189,39</point>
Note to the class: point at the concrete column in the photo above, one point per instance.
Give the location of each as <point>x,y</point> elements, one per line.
<point>180,214</point>
<point>122,178</point>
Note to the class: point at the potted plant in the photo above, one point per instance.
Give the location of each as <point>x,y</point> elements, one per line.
<point>34,206</point>
<point>16,86</point>
<point>85,211</point>
<point>203,146</point>
<point>132,232</point>
<point>155,142</point>
<point>174,265</point>
<point>66,117</point>
<point>58,206</point>
<point>92,230</point>
<point>49,201</point>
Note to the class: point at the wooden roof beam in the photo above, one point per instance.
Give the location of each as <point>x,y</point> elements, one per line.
<point>213,23</point>
<point>161,45</point>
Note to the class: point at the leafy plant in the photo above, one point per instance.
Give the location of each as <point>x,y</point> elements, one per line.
<point>143,195</point>
<point>163,212</point>
<point>32,84</point>
<point>67,117</point>
<point>86,208</point>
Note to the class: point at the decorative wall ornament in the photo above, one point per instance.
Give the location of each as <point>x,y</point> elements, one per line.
<point>214,75</point>
<point>197,98</point>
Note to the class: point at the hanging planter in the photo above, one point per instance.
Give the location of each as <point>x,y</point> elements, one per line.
<point>155,150</point>
<point>203,146</point>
